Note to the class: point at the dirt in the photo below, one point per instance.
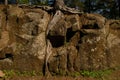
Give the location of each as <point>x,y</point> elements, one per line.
<point>50,78</point>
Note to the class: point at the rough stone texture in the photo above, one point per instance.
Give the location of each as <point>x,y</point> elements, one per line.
<point>79,41</point>
<point>22,43</point>
<point>1,74</point>
<point>113,43</point>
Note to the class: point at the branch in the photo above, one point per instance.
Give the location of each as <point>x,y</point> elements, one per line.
<point>60,5</point>
<point>58,15</point>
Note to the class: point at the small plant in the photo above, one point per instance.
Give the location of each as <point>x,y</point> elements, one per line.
<point>9,73</point>
<point>73,74</point>
<point>96,74</point>
<point>27,73</point>
<point>117,68</point>
<point>12,73</point>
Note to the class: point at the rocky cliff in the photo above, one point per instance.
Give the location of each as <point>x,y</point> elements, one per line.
<point>76,41</point>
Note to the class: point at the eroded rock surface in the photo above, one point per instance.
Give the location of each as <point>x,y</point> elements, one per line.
<point>78,41</point>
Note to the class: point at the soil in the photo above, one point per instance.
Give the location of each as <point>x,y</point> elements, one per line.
<point>50,78</point>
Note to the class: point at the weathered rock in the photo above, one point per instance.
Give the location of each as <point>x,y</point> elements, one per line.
<point>77,41</point>
<point>1,74</point>
<point>62,60</point>
<point>113,43</point>
<point>57,61</point>
<point>94,56</point>
<point>24,39</point>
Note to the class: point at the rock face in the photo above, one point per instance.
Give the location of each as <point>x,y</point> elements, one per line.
<point>1,74</point>
<point>79,41</point>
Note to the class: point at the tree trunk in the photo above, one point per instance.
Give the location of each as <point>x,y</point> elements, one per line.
<point>60,5</point>
<point>17,1</point>
<point>6,2</point>
<point>119,6</point>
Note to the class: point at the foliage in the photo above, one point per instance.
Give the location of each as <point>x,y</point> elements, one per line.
<point>96,74</point>
<point>85,73</point>
<point>23,1</point>
<point>74,4</point>
<point>12,73</point>
<point>108,8</point>
<point>73,74</point>
<point>9,73</point>
<point>33,2</point>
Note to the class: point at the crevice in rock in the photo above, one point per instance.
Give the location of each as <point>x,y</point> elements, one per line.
<point>7,56</point>
<point>81,35</point>
<point>80,40</point>
<point>56,41</point>
<point>77,47</point>
<point>2,58</point>
<point>70,33</point>
<point>94,26</point>
<point>68,62</point>
<point>17,20</point>
<point>43,68</point>
<point>58,58</point>
<point>6,17</point>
